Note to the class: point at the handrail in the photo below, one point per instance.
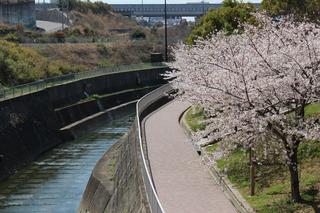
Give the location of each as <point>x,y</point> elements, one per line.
<point>142,104</point>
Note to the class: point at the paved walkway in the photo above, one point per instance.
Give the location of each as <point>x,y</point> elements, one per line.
<point>182,182</point>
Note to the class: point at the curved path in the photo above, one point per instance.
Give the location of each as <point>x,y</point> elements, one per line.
<point>183,184</point>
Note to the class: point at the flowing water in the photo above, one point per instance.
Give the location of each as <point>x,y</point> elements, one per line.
<point>56,181</point>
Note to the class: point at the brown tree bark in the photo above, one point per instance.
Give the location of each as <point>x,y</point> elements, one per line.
<point>292,161</point>
<point>294,175</point>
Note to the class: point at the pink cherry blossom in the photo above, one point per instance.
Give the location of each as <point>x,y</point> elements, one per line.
<point>254,84</point>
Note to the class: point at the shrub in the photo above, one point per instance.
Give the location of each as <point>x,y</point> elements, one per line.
<point>60,36</point>
<point>59,67</point>
<point>88,31</point>
<point>19,64</point>
<point>75,32</point>
<point>105,63</point>
<point>72,39</point>
<point>12,37</point>
<point>102,49</point>
<point>137,35</point>
<point>5,29</point>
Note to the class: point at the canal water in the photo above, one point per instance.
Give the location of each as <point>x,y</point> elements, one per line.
<point>56,181</point>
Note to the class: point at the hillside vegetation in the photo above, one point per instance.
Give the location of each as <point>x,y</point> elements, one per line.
<point>97,38</point>
<point>309,9</point>
<point>20,65</point>
<point>97,7</point>
<point>227,18</point>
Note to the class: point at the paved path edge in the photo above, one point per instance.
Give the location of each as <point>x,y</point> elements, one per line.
<point>226,186</point>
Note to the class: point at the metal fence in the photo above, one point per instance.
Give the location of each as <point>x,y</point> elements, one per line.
<point>142,104</point>
<point>7,93</point>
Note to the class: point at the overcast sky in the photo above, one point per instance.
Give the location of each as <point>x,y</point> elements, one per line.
<point>161,1</point>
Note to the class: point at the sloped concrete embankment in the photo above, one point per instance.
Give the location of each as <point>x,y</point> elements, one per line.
<point>116,183</point>
<point>30,125</point>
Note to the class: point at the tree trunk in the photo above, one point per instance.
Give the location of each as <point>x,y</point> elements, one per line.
<point>294,176</point>
<point>292,161</point>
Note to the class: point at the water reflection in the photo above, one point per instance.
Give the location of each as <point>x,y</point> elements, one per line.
<point>56,181</point>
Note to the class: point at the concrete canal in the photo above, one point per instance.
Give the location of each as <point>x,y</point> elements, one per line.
<point>56,181</point>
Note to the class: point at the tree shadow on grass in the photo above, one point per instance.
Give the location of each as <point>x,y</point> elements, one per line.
<point>312,199</point>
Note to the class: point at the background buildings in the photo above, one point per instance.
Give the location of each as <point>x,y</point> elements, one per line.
<point>18,12</point>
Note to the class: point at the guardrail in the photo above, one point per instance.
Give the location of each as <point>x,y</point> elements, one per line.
<point>143,104</point>
<point>7,93</point>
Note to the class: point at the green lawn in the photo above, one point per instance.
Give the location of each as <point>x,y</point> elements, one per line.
<point>273,184</point>
<point>312,109</point>
<point>194,118</point>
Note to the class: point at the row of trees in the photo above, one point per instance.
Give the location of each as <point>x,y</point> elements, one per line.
<point>97,7</point>
<point>227,19</point>
<point>301,9</point>
<point>233,13</point>
<point>255,85</point>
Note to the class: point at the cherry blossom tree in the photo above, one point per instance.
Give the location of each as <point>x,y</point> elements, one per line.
<point>255,84</point>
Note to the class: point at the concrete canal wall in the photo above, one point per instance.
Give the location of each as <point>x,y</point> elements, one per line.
<point>74,112</point>
<point>118,182</point>
<point>30,124</point>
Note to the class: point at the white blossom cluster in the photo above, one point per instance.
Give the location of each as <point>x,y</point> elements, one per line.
<point>254,84</point>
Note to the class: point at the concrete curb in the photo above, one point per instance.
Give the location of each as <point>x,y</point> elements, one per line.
<point>228,189</point>
<point>81,127</point>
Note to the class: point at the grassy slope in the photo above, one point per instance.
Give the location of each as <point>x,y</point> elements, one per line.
<point>30,62</point>
<point>109,48</point>
<point>99,54</point>
<point>272,184</point>
<point>194,118</point>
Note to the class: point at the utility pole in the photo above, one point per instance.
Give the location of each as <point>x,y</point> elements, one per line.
<point>165,32</point>
<point>62,18</point>
<point>202,7</point>
<point>142,9</point>
<point>68,7</point>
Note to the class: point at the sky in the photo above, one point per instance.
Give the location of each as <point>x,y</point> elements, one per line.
<point>161,1</point>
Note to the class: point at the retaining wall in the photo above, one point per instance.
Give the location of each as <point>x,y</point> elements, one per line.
<point>18,12</point>
<point>131,189</point>
<point>74,112</point>
<point>125,193</point>
<point>72,92</point>
<point>30,126</point>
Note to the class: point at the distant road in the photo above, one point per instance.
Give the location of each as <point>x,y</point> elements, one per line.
<point>49,26</point>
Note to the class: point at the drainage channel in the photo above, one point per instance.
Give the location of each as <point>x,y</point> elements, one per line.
<point>56,181</point>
